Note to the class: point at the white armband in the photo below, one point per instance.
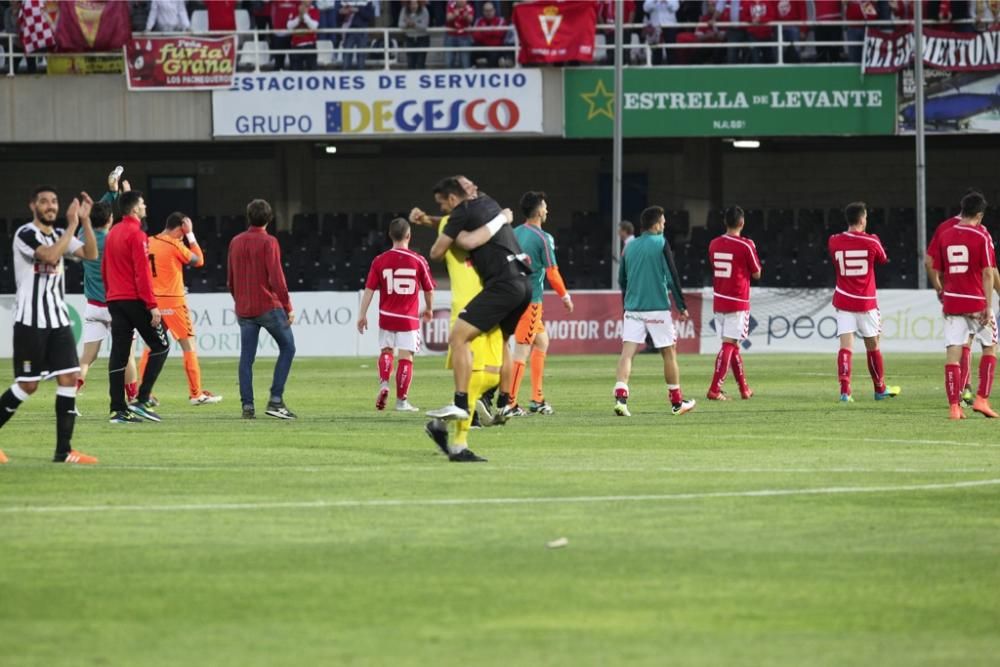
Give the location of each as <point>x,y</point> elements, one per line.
<point>496,224</point>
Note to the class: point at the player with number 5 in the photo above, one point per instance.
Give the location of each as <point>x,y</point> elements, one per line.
<point>396,274</point>
<point>855,254</point>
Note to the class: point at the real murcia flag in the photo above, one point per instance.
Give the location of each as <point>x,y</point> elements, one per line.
<point>554,31</point>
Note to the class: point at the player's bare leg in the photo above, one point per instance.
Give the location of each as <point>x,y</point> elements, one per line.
<point>952,380</point>
<point>987,367</point>
<point>672,376</point>
<point>89,356</point>
<point>876,369</point>
<point>65,415</point>
<point>629,350</point>
<point>844,366</point>
<point>723,361</point>
<point>404,376</point>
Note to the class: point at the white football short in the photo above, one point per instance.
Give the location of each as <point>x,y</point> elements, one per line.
<point>958,328</point>
<point>733,325</point>
<point>867,324</point>
<point>400,340</point>
<point>96,323</point>
<point>657,323</point>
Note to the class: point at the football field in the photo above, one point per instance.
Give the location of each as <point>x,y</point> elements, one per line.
<point>786,530</point>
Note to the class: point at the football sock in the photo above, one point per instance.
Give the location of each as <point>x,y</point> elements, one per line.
<point>462,400</point>
<point>503,400</point>
<point>404,375</point>
<point>876,369</point>
<point>384,367</point>
<point>987,365</point>
<point>952,377</point>
<point>517,376</point>
<point>676,397</point>
<point>193,370</point>
<point>722,362</point>
<point>462,427</point>
<point>131,390</point>
<point>621,392</point>
<point>737,365</point>
<point>65,420</point>
<point>844,370</point>
<point>10,401</point>
<point>537,375</point>
<point>966,367</point>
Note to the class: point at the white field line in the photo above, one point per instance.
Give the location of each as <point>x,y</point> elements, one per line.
<point>823,438</point>
<point>452,502</point>
<point>541,468</point>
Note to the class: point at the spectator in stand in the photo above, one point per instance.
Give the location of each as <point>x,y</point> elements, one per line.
<point>731,11</point>
<point>328,19</point>
<point>828,11</point>
<point>606,16</point>
<point>792,10</point>
<point>660,27</point>
<point>282,12</point>
<point>958,12</point>
<point>221,15</point>
<point>986,13</point>
<point>707,32</point>
<point>261,14</point>
<point>168,16</point>
<point>139,12</point>
<point>414,20</point>
<point>491,38</point>
<point>303,28</point>
<point>759,14</point>
<point>11,21</point>
<point>458,19</point>
<point>858,10</point>
<point>358,16</point>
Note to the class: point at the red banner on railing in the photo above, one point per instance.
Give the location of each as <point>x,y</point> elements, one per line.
<point>92,25</point>
<point>556,31</point>
<point>951,51</point>
<point>180,63</point>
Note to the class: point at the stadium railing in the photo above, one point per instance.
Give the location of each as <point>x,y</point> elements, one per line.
<point>387,44</point>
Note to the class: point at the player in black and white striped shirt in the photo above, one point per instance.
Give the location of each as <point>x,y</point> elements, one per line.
<point>43,340</point>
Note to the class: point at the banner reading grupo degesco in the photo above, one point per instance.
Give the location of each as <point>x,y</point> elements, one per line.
<point>338,104</point>
<point>180,63</point>
<point>887,52</point>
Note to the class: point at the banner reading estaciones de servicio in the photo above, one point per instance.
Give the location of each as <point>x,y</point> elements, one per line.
<point>180,63</point>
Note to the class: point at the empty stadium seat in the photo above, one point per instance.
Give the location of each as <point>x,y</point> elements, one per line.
<point>199,21</point>
<point>254,55</point>
<point>326,54</point>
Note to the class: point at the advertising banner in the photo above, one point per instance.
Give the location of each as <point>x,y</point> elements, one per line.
<point>180,63</point>
<point>952,51</point>
<point>555,32</point>
<point>954,102</point>
<point>332,105</point>
<point>731,102</point>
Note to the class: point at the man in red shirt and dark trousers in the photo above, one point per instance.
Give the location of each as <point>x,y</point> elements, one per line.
<point>492,38</point>
<point>257,282</point>
<point>128,281</point>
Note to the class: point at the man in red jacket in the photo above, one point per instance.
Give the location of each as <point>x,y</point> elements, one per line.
<point>492,38</point>
<point>128,281</point>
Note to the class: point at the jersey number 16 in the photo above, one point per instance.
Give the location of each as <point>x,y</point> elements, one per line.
<point>400,281</point>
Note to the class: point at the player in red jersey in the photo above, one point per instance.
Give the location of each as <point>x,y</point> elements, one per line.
<point>966,260</point>
<point>966,362</point>
<point>734,263</point>
<point>396,274</point>
<point>855,254</point>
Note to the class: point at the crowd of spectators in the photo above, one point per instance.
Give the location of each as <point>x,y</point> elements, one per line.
<point>478,33</point>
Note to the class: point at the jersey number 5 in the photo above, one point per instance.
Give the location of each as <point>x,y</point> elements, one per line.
<point>400,281</point>
<point>852,262</point>
<point>723,263</point>
<point>958,258</point>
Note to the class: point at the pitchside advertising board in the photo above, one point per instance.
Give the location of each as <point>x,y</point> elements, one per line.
<point>733,101</point>
<point>338,104</point>
<point>782,320</point>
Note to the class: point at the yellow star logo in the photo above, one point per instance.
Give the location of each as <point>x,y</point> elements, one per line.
<point>601,102</point>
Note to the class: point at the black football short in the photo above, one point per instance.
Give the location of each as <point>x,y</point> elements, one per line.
<point>500,303</point>
<point>40,353</point>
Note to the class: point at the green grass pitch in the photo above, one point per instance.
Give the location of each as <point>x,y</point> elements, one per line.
<point>787,530</point>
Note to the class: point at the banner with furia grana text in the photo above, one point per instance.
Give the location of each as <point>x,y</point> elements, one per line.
<point>731,102</point>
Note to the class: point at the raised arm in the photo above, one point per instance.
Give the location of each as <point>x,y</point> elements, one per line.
<point>481,236</point>
<point>89,249</point>
<point>52,254</point>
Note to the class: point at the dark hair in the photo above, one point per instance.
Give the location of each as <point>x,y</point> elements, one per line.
<point>450,186</point>
<point>259,213</point>
<point>530,201</point>
<point>626,226</point>
<point>174,220</point>
<point>732,217</point>
<point>128,201</point>
<point>100,213</point>
<point>398,229</point>
<point>650,217</point>
<point>973,203</point>
<point>39,189</point>
<point>854,212</point>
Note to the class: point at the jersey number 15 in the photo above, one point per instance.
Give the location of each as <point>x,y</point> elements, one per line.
<point>852,262</point>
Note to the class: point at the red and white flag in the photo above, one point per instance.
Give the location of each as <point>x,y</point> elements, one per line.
<point>555,31</point>
<point>36,26</point>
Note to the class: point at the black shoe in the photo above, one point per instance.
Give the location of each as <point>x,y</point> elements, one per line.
<point>475,421</point>
<point>125,417</point>
<point>249,412</point>
<point>437,431</point>
<point>466,456</point>
<point>279,410</point>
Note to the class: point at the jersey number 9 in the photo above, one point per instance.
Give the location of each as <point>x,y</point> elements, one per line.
<point>958,258</point>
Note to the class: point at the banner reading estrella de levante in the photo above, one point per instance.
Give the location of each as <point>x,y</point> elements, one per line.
<point>736,101</point>
<point>180,63</point>
<point>332,104</point>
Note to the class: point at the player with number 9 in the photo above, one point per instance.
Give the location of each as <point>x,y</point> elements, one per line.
<point>398,274</point>
<point>855,254</point>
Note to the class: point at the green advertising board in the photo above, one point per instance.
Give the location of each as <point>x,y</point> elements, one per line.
<point>732,101</point>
